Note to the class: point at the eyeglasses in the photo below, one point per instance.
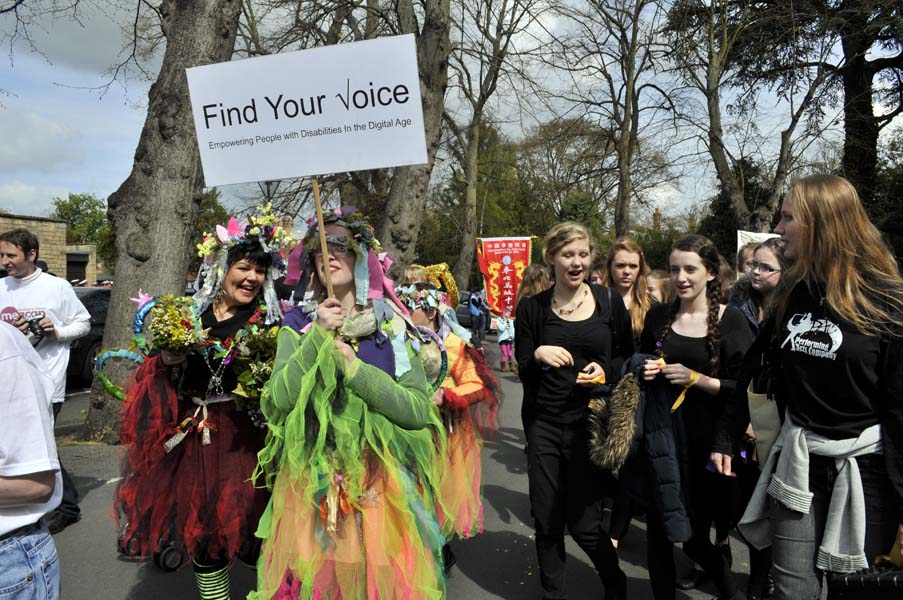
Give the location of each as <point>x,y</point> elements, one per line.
<point>764,269</point>
<point>336,250</point>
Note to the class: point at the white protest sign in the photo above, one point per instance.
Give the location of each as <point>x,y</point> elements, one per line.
<point>346,107</point>
<point>749,237</point>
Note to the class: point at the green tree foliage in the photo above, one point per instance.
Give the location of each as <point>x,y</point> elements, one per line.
<point>523,189</point>
<point>721,224</point>
<point>886,208</point>
<point>86,223</point>
<point>782,40</point>
<point>211,214</point>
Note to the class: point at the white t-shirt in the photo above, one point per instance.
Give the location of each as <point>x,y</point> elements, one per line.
<point>26,425</point>
<point>40,293</point>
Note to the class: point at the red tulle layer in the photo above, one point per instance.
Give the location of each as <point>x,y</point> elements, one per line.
<point>197,495</point>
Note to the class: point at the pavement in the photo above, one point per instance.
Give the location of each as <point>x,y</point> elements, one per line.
<point>499,563</point>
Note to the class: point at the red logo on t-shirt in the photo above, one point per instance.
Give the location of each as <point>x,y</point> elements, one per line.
<point>11,314</point>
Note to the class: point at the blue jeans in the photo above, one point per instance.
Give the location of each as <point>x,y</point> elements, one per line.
<point>29,567</point>
<point>796,536</point>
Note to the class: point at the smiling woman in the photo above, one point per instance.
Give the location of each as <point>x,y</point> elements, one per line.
<point>191,428</point>
<point>569,338</point>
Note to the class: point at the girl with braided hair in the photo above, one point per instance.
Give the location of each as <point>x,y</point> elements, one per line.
<point>700,345</point>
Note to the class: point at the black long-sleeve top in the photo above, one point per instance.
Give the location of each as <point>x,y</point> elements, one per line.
<point>834,380</point>
<point>701,410</point>
<point>605,337</point>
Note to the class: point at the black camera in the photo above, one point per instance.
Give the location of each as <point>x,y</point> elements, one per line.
<point>37,332</point>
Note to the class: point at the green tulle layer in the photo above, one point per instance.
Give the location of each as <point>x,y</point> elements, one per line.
<point>323,422</point>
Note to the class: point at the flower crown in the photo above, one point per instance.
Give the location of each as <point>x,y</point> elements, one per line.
<point>350,218</point>
<point>413,298</point>
<point>441,276</point>
<point>261,227</point>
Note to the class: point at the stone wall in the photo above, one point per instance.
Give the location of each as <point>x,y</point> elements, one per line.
<point>51,235</point>
<point>91,267</point>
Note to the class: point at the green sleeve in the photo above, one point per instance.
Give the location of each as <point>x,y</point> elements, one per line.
<point>406,402</point>
<point>296,354</point>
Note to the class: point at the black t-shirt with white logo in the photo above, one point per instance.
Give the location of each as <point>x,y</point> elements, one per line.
<point>836,380</point>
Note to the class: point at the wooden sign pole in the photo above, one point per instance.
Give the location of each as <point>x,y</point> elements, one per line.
<point>324,250</point>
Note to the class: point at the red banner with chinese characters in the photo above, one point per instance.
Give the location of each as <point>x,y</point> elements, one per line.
<point>502,262</point>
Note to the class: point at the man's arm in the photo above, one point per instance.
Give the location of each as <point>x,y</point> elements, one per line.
<point>75,320</point>
<point>33,488</point>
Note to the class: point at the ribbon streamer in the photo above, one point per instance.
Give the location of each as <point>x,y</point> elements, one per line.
<point>694,379</point>
<point>111,388</point>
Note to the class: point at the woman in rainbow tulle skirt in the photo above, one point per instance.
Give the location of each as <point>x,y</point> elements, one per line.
<point>468,396</point>
<point>355,448</point>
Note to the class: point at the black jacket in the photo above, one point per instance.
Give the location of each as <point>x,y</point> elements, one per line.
<point>656,476</point>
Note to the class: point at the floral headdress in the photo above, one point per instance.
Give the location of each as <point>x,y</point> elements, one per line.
<point>370,264</point>
<point>441,276</point>
<point>415,296</point>
<point>261,229</point>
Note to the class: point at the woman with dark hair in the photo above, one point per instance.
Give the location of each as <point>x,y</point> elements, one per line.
<point>763,272</point>
<point>700,345</point>
<point>568,340</point>
<point>752,296</point>
<point>356,449</point>
<point>829,497</point>
<point>191,440</point>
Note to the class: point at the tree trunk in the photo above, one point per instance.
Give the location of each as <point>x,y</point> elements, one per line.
<point>154,211</point>
<point>860,144</point>
<point>469,239</point>
<point>729,183</point>
<point>408,192</point>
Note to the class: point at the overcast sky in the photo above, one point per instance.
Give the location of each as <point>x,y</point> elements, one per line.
<point>59,137</point>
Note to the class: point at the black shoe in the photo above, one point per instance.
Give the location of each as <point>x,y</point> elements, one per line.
<point>725,549</point>
<point>694,578</point>
<point>448,558</point>
<point>57,521</point>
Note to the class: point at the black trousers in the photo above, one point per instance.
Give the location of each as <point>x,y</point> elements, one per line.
<point>69,504</point>
<point>707,491</point>
<point>566,490</point>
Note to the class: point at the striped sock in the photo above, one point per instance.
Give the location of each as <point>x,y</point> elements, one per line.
<point>212,585</point>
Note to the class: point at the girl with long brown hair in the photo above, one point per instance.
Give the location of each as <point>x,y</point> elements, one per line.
<point>700,345</point>
<point>831,488</point>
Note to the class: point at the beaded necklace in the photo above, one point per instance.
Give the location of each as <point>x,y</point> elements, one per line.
<point>567,311</point>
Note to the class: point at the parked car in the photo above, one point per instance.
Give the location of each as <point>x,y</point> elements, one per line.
<point>83,351</point>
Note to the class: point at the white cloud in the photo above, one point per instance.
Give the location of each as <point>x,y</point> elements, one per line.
<point>35,143</point>
<point>22,199</point>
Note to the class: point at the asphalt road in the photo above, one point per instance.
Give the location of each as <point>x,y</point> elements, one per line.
<point>500,563</point>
